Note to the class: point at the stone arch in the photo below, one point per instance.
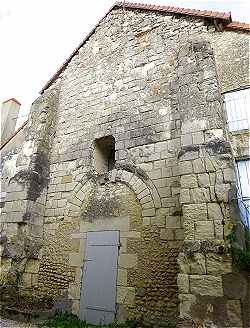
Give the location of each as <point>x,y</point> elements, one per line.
<point>144,189</point>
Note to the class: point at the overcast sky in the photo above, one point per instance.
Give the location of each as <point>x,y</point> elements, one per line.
<point>38,35</point>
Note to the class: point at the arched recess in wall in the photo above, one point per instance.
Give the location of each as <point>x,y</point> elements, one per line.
<point>143,188</point>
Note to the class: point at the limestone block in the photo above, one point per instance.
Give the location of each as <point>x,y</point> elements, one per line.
<point>72,208</point>
<point>130,299</point>
<point>186,301</point>
<point>169,202</point>
<point>221,191</point>
<point>218,229</point>
<point>74,291</point>
<point>173,222</point>
<point>213,134</point>
<point>206,285</point>
<point>155,174</point>
<point>123,247</point>
<point>186,139</point>
<point>189,181</point>
<point>144,193</point>
<point>32,266</point>
<point>78,275</point>
<point>179,234</point>
<point>198,264</point>
<point>121,293</point>
<point>75,259</point>
<point>76,307</point>
<point>66,179</point>
<point>183,283</point>
<point>229,175</point>
<point>146,199</point>
<point>185,196</point>
<point>148,212</point>
<point>203,180</point>
<point>76,202</point>
<point>81,195</point>
<point>127,261</point>
<point>122,277</point>
<point>5,264</point>
<point>189,230</point>
<point>130,234</point>
<point>34,279</point>
<point>146,221</point>
<point>112,223</point>
<point>218,264</point>
<point>166,172</point>
<point>167,234</point>
<point>199,165</point>
<point>26,280</point>
<point>184,263</point>
<point>198,137</point>
<point>185,167</point>
<point>199,195</point>
<point>209,165</point>
<point>193,212</point>
<point>214,211</point>
<point>148,205</point>
<point>159,220</point>
<point>164,192</point>
<point>204,230</point>
<point>234,313</point>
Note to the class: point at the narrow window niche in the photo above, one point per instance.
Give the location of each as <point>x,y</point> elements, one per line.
<point>104,154</point>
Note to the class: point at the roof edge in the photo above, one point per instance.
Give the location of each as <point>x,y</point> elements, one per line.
<point>12,99</point>
<point>224,17</point>
<point>238,26</point>
<point>13,135</point>
<point>66,62</point>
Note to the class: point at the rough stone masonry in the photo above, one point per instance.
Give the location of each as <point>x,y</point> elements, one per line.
<point>149,84</point>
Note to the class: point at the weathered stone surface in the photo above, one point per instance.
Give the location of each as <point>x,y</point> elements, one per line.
<point>204,230</point>
<point>218,264</point>
<point>183,283</point>
<point>189,181</point>
<point>206,285</point>
<point>158,95</point>
<point>186,301</point>
<point>185,196</point>
<point>122,277</point>
<point>127,260</point>
<point>195,212</point>
<point>198,264</point>
<point>214,211</point>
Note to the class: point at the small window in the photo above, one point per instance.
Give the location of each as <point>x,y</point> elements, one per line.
<point>237,108</point>
<point>243,189</point>
<point>104,154</point>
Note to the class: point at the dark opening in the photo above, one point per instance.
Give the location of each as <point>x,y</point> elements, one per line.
<point>104,154</point>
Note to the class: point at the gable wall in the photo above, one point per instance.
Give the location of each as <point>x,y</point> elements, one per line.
<point>127,82</point>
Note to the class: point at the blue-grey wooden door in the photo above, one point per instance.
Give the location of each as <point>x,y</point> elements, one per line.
<point>98,294</point>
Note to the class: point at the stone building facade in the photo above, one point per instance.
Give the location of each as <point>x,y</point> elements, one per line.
<point>130,136</point>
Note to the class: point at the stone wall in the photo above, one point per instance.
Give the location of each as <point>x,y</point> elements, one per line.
<point>153,81</point>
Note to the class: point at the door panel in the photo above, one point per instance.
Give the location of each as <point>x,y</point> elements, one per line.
<point>99,278</point>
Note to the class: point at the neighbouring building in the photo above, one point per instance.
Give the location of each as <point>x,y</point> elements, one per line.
<point>124,202</point>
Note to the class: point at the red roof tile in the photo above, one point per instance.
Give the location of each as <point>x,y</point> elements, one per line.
<point>238,26</point>
<point>177,10</point>
<point>12,99</point>
<point>224,17</point>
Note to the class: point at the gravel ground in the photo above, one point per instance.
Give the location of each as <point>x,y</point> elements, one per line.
<point>6,323</point>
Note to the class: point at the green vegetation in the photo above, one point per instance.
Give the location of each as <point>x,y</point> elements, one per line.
<point>63,320</point>
<point>241,257</point>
